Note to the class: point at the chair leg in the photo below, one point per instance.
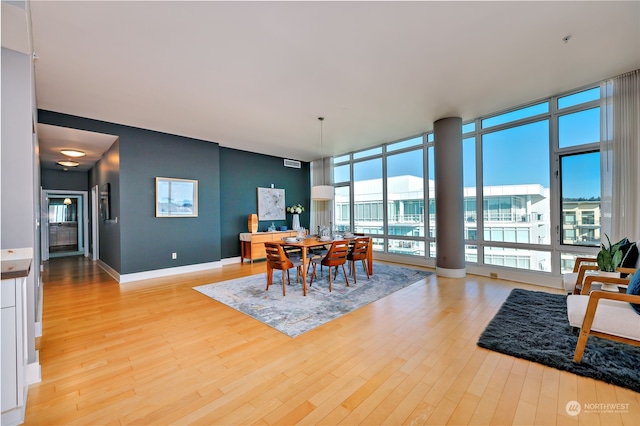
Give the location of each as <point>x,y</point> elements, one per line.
<point>344,272</point>
<point>269,277</point>
<point>580,346</point>
<point>330,280</point>
<point>284,287</point>
<point>313,274</point>
<point>366,269</point>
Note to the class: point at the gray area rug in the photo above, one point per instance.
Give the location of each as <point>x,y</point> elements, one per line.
<point>534,326</point>
<point>294,313</point>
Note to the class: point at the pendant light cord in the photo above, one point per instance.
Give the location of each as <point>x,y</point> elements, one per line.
<point>321,152</point>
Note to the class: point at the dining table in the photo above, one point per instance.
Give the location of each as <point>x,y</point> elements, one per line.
<point>309,242</point>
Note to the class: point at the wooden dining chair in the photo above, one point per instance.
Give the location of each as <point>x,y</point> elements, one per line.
<point>335,257</point>
<point>358,251</point>
<point>277,259</point>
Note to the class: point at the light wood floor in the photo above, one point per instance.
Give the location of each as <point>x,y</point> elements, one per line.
<point>158,352</point>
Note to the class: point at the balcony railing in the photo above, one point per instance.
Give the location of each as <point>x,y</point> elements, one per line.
<point>509,217</point>
<point>406,218</point>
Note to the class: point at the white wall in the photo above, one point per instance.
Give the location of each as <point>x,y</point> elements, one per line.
<point>18,186</point>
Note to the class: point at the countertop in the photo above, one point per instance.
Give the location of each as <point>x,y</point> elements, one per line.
<point>16,263</point>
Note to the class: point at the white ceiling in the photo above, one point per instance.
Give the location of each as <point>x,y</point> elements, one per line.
<point>57,138</point>
<point>256,75</point>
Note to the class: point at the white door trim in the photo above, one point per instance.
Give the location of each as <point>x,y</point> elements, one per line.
<point>95,221</point>
<point>84,196</point>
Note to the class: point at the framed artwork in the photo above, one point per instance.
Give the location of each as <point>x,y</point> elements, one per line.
<point>271,205</point>
<point>104,202</point>
<point>176,197</point>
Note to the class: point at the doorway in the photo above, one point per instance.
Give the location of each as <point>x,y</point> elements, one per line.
<point>64,224</point>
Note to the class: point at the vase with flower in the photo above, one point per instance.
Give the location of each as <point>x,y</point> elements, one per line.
<point>295,210</point>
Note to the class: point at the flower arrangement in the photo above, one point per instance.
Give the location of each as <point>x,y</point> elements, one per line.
<point>297,209</point>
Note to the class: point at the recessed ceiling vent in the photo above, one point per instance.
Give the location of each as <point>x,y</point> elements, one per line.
<point>292,163</point>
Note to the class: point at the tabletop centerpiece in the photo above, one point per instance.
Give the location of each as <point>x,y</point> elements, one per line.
<point>295,210</point>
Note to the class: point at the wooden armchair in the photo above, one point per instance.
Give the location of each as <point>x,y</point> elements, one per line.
<point>573,280</point>
<point>604,314</point>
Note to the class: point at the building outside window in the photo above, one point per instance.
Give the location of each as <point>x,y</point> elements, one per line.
<point>507,218</point>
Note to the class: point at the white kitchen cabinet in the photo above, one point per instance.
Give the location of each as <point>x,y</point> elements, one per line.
<point>13,340</point>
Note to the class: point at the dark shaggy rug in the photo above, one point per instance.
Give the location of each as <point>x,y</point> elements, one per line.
<point>534,326</point>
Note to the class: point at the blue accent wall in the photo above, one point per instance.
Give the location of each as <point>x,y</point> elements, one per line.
<point>58,179</point>
<point>134,240</point>
<point>241,174</point>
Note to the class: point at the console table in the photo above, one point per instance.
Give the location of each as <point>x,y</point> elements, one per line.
<point>252,244</point>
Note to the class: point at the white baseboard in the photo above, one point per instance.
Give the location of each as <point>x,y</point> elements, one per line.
<point>165,272</point>
<point>33,372</point>
<point>451,273</point>
<point>230,260</point>
<point>109,270</point>
<point>529,277</point>
<point>524,276</point>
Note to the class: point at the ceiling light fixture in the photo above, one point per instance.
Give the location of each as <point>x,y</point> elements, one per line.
<point>73,153</point>
<point>67,201</point>
<point>68,163</point>
<point>322,192</point>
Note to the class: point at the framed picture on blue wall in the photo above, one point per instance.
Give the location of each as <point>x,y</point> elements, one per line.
<point>104,202</point>
<point>176,197</point>
<point>271,205</point>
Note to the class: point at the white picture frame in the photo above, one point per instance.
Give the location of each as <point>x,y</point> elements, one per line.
<point>271,204</point>
<point>176,197</point>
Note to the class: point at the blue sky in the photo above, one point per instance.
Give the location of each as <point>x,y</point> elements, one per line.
<point>518,155</point>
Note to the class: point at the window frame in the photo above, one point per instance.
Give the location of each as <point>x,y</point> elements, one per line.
<point>473,129</point>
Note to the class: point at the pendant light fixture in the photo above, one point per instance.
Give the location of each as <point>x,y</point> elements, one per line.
<point>67,201</point>
<point>73,153</point>
<point>68,163</point>
<point>322,192</point>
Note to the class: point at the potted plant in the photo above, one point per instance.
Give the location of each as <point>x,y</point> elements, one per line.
<point>609,258</point>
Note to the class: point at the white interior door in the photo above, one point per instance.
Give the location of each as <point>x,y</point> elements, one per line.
<point>82,198</point>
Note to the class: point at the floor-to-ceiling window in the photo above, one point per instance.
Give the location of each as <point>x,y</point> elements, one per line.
<point>578,158</point>
<point>515,188</point>
<point>531,187</point>
<point>405,197</point>
<point>342,192</point>
<point>469,177</point>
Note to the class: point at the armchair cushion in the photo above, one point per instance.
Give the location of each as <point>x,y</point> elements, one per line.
<point>634,288</point>
<point>612,316</point>
<point>569,280</point>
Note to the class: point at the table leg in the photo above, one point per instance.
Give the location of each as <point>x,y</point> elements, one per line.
<point>304,271</point>
<point>370,258</point>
